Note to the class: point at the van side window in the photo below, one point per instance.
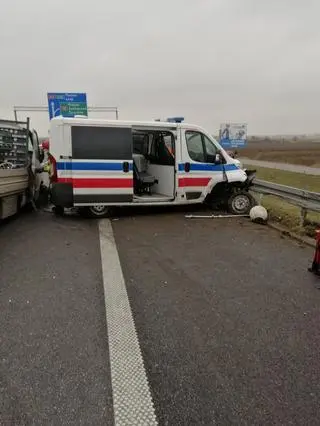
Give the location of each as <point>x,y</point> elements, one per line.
<point>95,143</point>
<point>139,143</point>
<point>210,147</point>
<point>195,146</point>
<point>200,148</point>
<point>161,149</point>
<point>169,142</point>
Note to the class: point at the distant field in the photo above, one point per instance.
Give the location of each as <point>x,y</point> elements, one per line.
<point>305,153</point>
<point>284,212</point>
<point>298,180</point>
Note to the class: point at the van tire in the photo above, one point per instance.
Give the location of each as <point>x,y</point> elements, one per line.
<point>240,203</point>
<point>94,212</point>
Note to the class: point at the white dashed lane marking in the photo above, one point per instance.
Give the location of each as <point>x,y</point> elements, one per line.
<point>132,401</point>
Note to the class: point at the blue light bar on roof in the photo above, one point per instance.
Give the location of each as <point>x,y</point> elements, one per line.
<point>175,120</point>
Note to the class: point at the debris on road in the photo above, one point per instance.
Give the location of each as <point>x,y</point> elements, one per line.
<point>214,216</point>
<point>259,214</point>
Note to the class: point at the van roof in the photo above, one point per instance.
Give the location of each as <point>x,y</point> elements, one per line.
<point>97,121</point>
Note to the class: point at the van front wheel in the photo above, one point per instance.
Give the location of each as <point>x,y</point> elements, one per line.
<point>95,211</point>
<point>240,203</point>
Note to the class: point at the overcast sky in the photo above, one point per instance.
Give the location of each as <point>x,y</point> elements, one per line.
<point>211,61</point>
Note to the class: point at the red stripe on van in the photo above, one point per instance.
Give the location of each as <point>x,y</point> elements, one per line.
<point>98,183</point>
<point>201,181</point>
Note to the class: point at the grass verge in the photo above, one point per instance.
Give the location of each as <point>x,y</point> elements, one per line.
<point>283,212</point>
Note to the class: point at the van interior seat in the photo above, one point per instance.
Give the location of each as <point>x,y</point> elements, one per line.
<point>144,181</point>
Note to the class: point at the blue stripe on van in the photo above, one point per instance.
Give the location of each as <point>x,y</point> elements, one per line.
<point>74,165</point>
<point>203,167</point>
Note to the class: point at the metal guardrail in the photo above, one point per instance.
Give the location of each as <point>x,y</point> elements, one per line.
<point>306,200</point>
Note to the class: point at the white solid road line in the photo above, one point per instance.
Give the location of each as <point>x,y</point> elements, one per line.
<point>132,401</point>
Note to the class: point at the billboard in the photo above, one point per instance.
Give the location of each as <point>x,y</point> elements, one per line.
<point>233,135</point>
<point>67,104</point>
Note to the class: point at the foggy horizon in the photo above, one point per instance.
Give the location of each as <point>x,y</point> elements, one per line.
<point>211,62</point>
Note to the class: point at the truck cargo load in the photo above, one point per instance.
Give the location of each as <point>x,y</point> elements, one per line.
<point>19,160</point>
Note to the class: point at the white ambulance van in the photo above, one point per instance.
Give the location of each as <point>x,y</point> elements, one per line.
<point>97,164</point>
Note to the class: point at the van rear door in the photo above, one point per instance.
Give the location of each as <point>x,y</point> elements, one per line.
<point>102,171</point>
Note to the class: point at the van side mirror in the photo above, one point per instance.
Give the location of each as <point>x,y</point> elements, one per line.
<point>211,158</point>
<point>214,159</point>
<point>218,159</point>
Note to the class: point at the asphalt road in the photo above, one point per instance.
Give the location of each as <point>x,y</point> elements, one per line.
<point>54,367</point>
<point>282,166</point>
<point>226,316</point>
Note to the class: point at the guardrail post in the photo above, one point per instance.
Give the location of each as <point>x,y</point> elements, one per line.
<point>260,198</point>
<point>303,216</point>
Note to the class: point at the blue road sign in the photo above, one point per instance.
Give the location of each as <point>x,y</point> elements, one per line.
<point>67,104</point>
<point>233,135</point>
